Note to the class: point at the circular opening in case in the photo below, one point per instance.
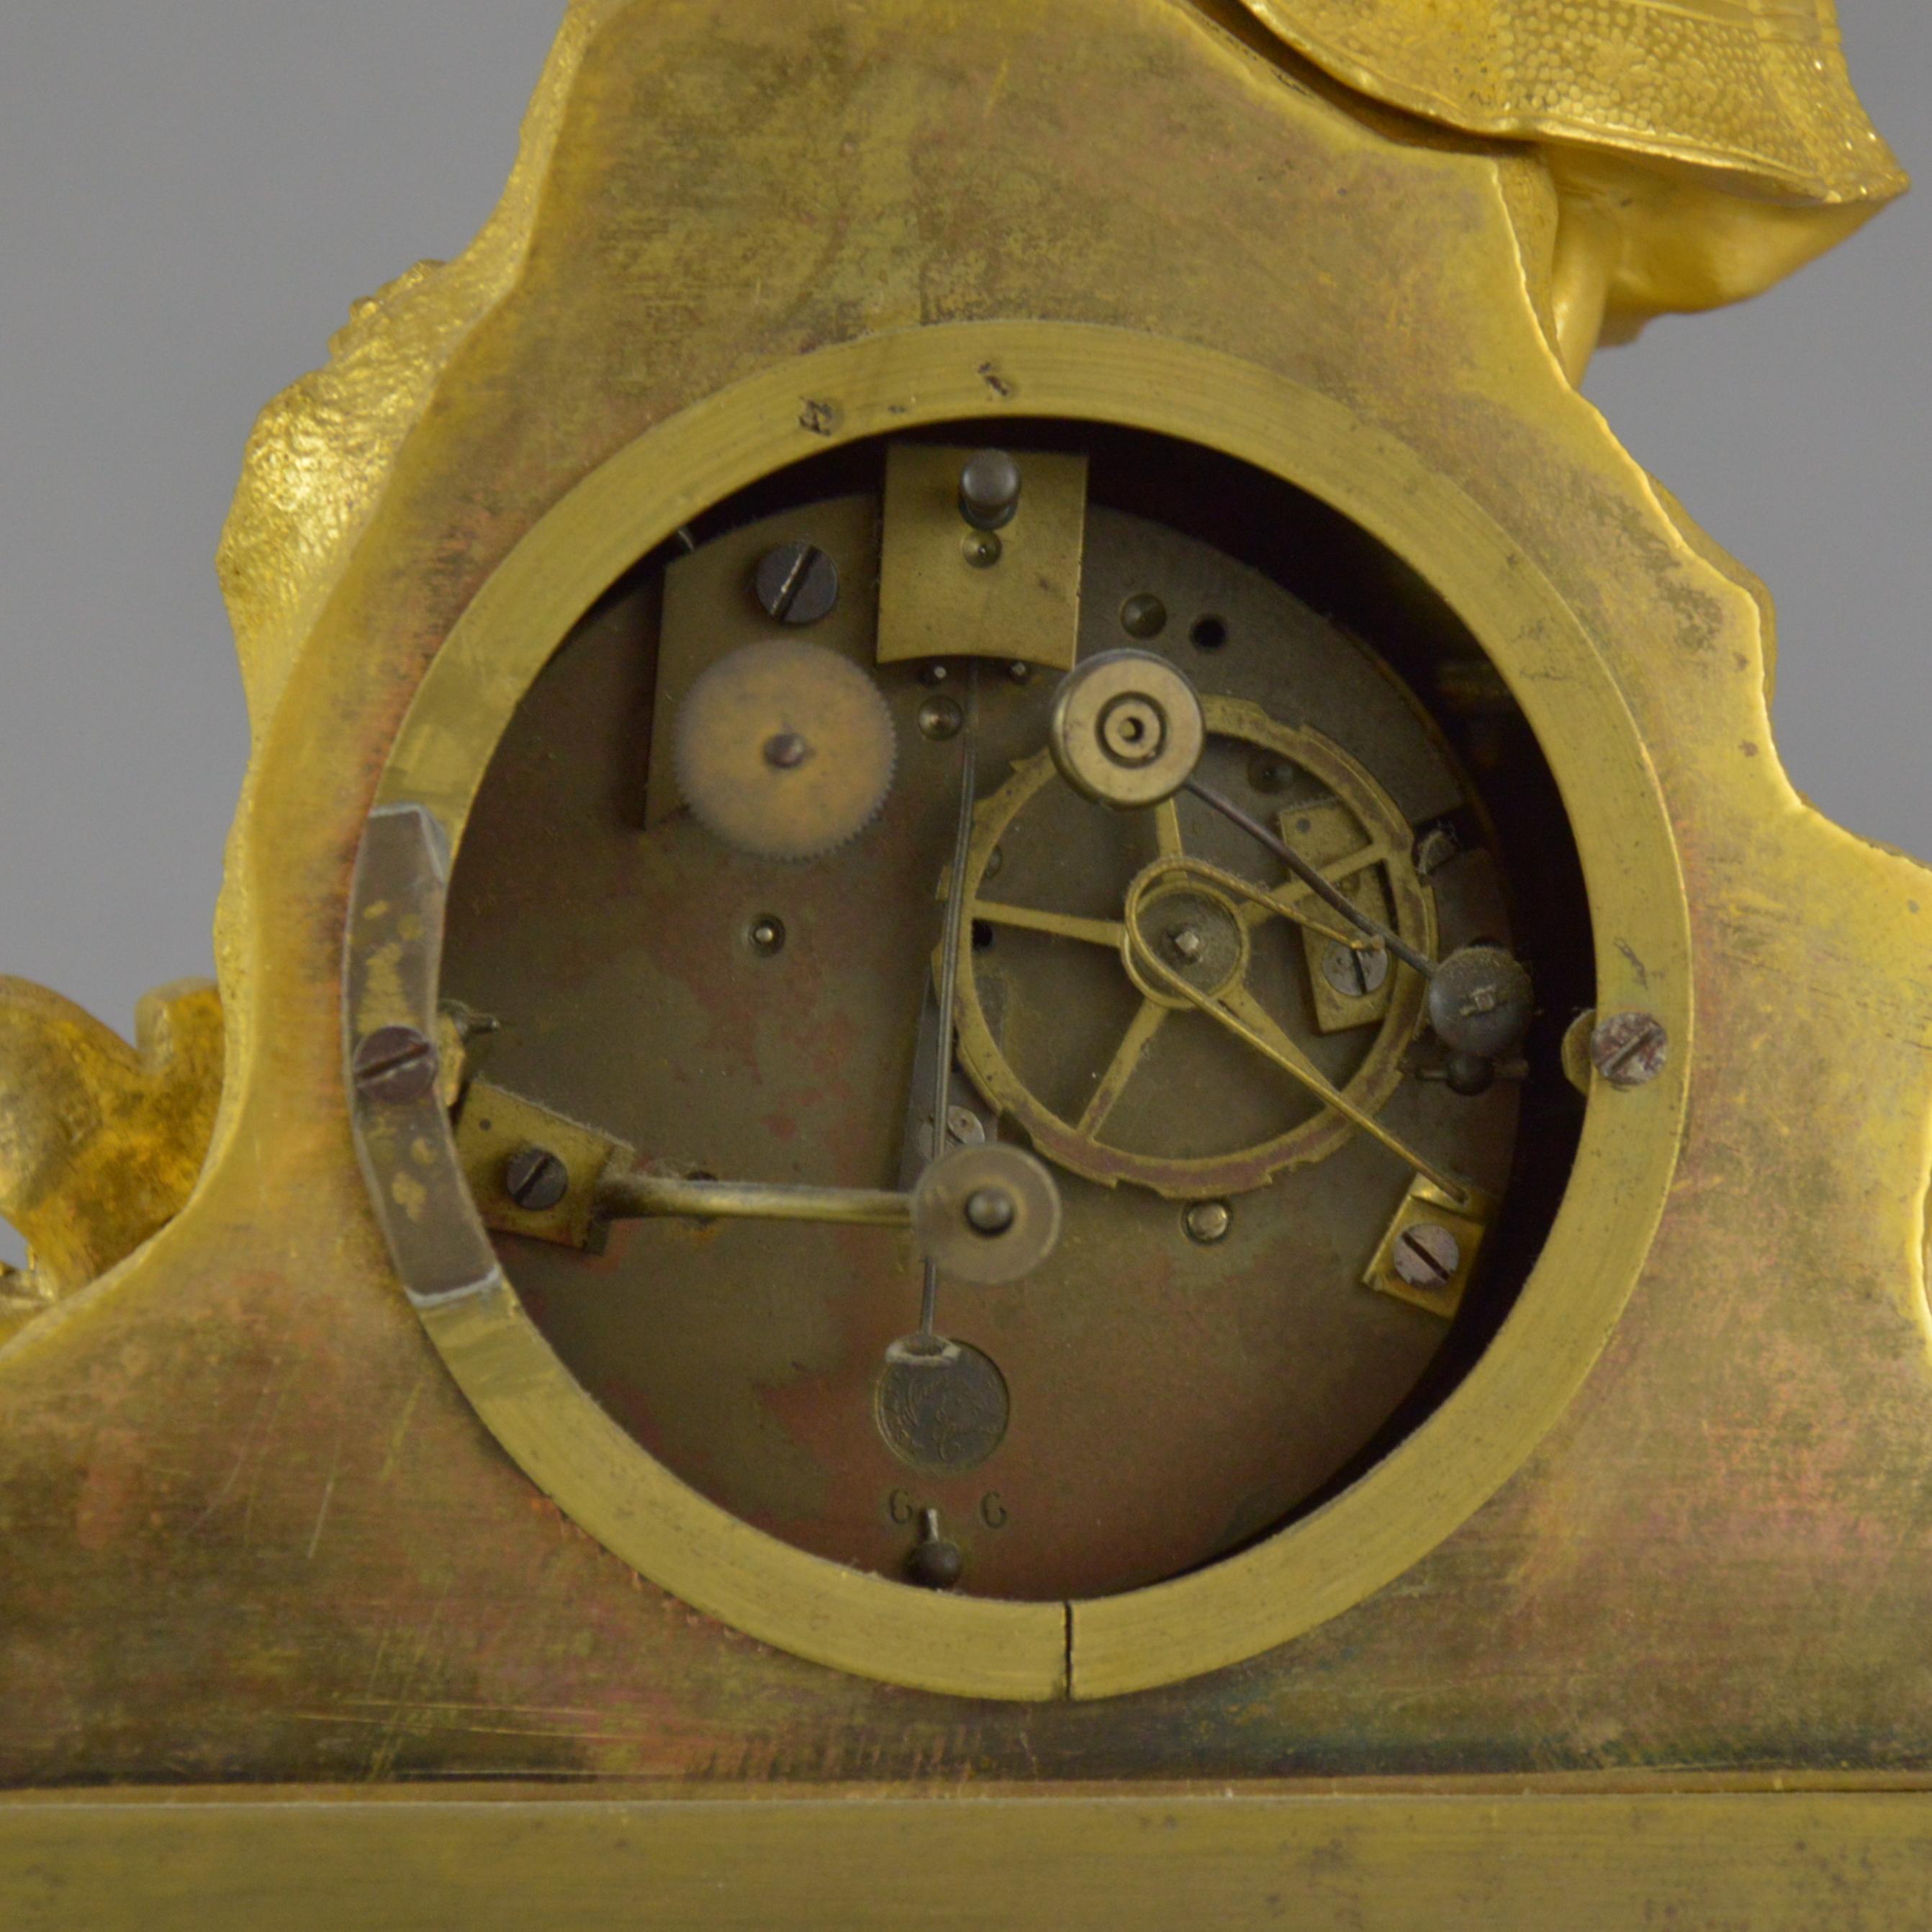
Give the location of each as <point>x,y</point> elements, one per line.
<point>1240,1416</point>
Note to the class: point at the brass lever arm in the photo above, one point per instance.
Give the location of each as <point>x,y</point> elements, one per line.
<point>636,1196</point>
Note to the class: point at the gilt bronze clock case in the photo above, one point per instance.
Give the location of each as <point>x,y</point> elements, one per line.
<point>315,1539</point>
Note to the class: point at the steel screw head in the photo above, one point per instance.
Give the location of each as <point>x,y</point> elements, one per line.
<point>536,1180</point>
<point>395,1065</point>
<point>940,718</point>
<point>989,490</point>
<point>1629,1049</point>
<point>1207,1221</point>
<point>990,1210</point>
<point>796,583</point>
<point>1355,974</point>
<point>1427,1256</point>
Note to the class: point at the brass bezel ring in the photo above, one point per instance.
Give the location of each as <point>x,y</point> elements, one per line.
<point>1431,1481</point>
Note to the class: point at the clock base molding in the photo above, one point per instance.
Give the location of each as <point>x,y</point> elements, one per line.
<point>1401,1857</point>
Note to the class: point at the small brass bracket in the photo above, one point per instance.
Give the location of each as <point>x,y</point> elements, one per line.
<point>1429,1252</point>
<point>495,1126</point>
<point>711,607</point>
<point>946,590</point>
<point>1322,831</point>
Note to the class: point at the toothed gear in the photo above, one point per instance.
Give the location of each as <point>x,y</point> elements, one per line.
<point>785,750</point>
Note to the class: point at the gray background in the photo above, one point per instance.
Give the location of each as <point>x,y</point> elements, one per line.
<point>194,192</point>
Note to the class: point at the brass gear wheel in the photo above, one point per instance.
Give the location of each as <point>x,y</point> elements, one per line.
<point>785,750</point>
<point>1222,924</point>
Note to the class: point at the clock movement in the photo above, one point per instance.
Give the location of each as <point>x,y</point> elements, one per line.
<point>1032,1101</point>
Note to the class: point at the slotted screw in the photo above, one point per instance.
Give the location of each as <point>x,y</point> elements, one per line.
<point>1629,1049</point>
<point>395,1065</point>
<point>536,1180</point>
<point>796,583</point>
<point>1427,1256</point>
<point>1354,973</point>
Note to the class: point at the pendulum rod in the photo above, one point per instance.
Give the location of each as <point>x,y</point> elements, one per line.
<point>951,935</point>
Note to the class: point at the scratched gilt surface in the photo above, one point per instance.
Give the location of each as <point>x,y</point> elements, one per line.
<point>252,1531</point>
